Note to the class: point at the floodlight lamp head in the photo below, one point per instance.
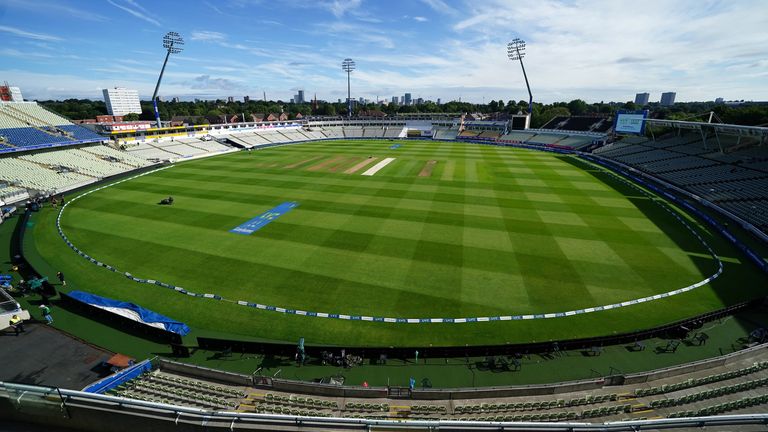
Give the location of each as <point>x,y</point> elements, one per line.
<point>348,65</point>
<point>173,42</point>
<point>516,49</point>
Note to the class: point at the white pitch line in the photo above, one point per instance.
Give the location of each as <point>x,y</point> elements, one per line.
<point>374,169</point>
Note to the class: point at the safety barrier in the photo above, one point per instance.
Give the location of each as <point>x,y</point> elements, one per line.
<point>75,409</point>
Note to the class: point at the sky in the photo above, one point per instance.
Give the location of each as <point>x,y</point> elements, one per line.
<point>447,49</point>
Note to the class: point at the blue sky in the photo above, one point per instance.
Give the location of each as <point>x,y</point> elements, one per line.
<point>593,50</point>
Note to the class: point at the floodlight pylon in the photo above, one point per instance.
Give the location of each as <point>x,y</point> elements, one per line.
<point>348,65</point>
<point>516,51</point>
<point>174,44</point>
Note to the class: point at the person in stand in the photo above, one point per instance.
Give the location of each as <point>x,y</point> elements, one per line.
<point>17,324</point>
<point>46,311</point>
<point>60,276</point>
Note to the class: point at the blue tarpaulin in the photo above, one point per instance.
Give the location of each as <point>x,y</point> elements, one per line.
<point>263,219</point>
<point>131,311</point>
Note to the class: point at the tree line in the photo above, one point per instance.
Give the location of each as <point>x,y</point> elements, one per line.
<point>750,114</point>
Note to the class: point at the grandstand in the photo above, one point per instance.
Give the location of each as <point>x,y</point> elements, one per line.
<point>58,170</point>
<point>736,179</point>
<point>27,125</point>
<point>600,124</point>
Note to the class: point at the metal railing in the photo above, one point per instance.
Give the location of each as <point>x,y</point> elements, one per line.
<point>53,406</point>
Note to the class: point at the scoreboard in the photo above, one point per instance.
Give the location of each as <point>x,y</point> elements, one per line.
<point>630,122</point>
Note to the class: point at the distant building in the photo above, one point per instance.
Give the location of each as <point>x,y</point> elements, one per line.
<point>402,100</point>
<point>176,100</point>
<point>246,99</point>
<point>16,94</point>
<point>121,101</point>
<point>668,99</point>
<point>230,99</point>
<point>394,100</point>
<point>407,99</point>
<point>719,100</point>
<point>438,101</point>
<point>642,99</point>
<point>419,101</point>
<point>298,98</point>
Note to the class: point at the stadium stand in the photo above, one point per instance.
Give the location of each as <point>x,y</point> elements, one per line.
<point>543,138</point>
<point>579,123</point>
<point>734,386</point>
<point>54,171</point>
<point>735,179</point>
<point>353,132</point>
<point>173,389</point>
<point>27,125</point>
<point>445,133</point>
<point>396,131</point>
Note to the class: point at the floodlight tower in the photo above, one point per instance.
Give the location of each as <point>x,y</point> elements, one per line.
<point>172,42</point>
<point>348,65</point>
<point>516,51</point>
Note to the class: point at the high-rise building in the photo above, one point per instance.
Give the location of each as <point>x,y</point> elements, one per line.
<point>176,100</point>
<point>394,100</point>
<point>402,100</point>
<point>121,101</point>
<point>298,98</point>
<point>668,98</point>
<point>719,100</point>
<point>407,98</point>
<point>642,99</point>
<point>230,99</point>
<point>246,99</point>
<point>438,101</point>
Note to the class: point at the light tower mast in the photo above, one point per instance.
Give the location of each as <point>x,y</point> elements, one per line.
<point>174,44</point>
<point>516,51</point>
<point>348,65</point>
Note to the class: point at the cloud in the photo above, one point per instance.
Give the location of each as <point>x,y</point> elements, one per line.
<point>355,32</point>
<point>205,82</point>
<point>341,7</point>
<point>208,36</point>
<point>55,8</point>
<point>420,18</point>
<point>439,6</point>
<point>139,12</point>
<point>28,35</point>
<point>214,8</point>
<point>634,60</point>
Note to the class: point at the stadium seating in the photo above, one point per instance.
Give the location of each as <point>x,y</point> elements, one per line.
<point>579,123</point>
<point>171,389</point>
<point>353,132</point>
<point>25,125</point>
<point>735,179</point>
<point>62,169</point>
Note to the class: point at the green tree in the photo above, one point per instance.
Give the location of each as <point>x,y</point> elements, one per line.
<point>577,107</point>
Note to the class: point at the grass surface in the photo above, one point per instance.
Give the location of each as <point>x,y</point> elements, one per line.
<point>491,231</point>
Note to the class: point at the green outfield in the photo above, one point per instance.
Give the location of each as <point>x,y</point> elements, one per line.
<point>445,230</point>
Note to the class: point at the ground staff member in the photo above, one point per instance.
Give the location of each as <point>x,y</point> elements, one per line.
<point>17,324</point>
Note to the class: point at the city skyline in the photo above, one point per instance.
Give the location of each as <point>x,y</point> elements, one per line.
<point>431,48</point>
